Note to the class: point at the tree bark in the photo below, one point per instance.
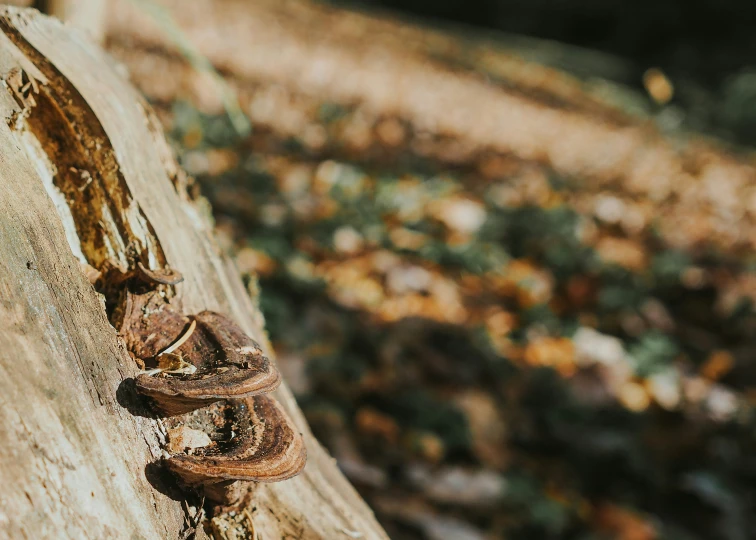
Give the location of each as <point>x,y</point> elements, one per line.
<point>87,187</point>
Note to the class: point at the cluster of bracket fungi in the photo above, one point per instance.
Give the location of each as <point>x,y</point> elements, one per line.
<point>211,383</point>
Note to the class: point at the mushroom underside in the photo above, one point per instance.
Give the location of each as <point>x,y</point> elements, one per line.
<point>252,439</point>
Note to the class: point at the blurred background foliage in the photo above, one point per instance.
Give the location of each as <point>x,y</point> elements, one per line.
<point>708,45</point>
<point>491,348</point>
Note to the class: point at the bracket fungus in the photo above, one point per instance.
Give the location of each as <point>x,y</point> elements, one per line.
<point>208,376</point>
<point>163,276</point>
<point>252,440</point>
<point>197,360</point>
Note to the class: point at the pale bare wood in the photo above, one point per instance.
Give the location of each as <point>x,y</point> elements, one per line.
<point>73,460</point>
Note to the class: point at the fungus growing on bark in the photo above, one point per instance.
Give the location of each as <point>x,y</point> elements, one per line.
<point>163,276</point>
<point>192,361</point>
<point>253,439</point>
<point>210,378</point>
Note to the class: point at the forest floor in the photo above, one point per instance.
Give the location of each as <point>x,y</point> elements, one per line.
<point>491,348</point>
<point>484,356</point>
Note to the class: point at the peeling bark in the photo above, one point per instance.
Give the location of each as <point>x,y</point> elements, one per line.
<point>89,191</point>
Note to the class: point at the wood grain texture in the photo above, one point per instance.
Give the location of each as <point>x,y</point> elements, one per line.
<point>73,460</point>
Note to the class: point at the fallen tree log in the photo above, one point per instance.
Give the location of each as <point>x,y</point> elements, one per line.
<point>88,191</point>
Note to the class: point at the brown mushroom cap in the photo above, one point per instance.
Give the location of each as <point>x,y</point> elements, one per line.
<point>255,441</point>
<point>228,364</point>
<point>162,276</point>
<point>210,380</point>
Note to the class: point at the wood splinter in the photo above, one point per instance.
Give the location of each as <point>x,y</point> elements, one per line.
<point>174,363</point>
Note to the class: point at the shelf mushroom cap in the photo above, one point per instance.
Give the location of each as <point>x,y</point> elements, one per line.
<point>260,444</point>
<point>162,276</point>
<point>221,361</point>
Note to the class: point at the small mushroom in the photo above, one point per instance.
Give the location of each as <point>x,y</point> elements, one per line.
<point>253,439</point>
<point>197,360</point>
<point>163,276</point>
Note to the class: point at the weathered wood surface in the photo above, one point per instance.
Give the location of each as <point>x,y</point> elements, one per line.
<point>87,183</point>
